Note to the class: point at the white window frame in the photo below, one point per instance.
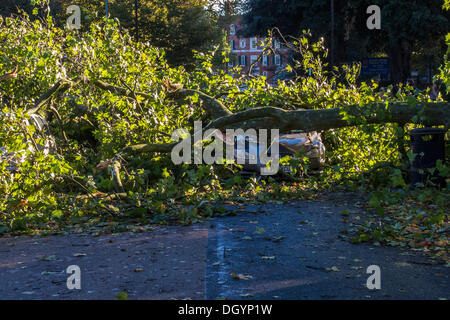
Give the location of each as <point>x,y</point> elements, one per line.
<point>264,74</point>
<point>242,43</point>
<point>265,60</point>
<point>253,43</point>
<point>243,60</point>
<point>277,44</point>
<point>277,60</point>
<point>232,29</point>
<point>253,58</point>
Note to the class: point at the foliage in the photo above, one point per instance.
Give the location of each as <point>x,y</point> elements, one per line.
<point>178,26</point>
<point>418,220</point>
<point>444,75</point>
<point>226,8</point>
<point>406,27</point>
<point>446,4</point>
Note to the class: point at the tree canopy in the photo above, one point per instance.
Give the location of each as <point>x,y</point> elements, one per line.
<point>178,26</point>
<point>406,27</point>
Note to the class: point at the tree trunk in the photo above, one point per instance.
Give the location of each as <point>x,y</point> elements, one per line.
<point>400,52</point>
<point>318,120</point>
<point>429,113</point>
<point>323,119</point>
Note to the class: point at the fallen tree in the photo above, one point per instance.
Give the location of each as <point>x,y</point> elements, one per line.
<point>426,113</point>
<point>305,120</point>
<point>103,98</point>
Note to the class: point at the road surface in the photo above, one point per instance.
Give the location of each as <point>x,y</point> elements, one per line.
<point>268,251</point>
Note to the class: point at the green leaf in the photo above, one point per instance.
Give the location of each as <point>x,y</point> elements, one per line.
<point>122,296</point>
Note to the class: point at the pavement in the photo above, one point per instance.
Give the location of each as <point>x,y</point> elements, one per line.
<point>270,251</point>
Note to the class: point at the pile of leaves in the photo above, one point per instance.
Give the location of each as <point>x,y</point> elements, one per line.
<point>418,220</point>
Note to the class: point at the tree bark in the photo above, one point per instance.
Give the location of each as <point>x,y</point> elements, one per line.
<point>318,120</point>
<point>277,118</point>
<point>323,119</point>
<point>400,52</point>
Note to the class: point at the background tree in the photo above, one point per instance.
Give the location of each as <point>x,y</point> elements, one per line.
<point>406,27</point>
<point>226,7</point>
<point>177,26</point>
<point>10,6</point>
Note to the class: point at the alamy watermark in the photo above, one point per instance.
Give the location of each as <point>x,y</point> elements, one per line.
<point>74,20</point>
<point>266,154</point>
<point>374,21</point>
<point>374,280</point>
<point>74,280</point>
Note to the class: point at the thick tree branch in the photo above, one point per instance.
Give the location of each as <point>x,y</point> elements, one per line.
<point>118,90</point>
<point>60,86</point>
<point>318,120</point>
<point>213,106</point>
<point>277,118</point>
<point>323,119</point>
<point>149,147</point>
<point>401,113</point>
<point>275,115</point>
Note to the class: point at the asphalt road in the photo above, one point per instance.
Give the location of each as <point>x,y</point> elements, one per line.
<point>270,251</point>
<point>311,262</point>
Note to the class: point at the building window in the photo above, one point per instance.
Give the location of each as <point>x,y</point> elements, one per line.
<point>253,59</point>
<point>276,44</point>
<point>243,60</point>
<point>242,43</point>
<point>231,62</point>
<point>232,29</point>
<point>253,43</point>
<point>277,60</point>
<point>233,45</point>
<point>265,60</point>
<point>264,74</point>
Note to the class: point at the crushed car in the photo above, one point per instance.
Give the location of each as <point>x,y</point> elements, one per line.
<point>294,144</point>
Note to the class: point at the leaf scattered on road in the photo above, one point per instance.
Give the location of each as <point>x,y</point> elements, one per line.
<point>240,276</point>
<point>260,230</point>
<point>333,268</point>
<point>79,254</point>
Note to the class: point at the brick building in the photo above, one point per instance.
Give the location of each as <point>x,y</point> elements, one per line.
<point>245,51</point>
